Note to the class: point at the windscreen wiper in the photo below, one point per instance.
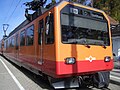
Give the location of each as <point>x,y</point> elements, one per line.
<point>88,46</point>
<point>85,43</point>
<point>104,46</point>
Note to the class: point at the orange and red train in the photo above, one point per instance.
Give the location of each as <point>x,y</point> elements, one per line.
<point>69,43</point>
<point>1,46</point>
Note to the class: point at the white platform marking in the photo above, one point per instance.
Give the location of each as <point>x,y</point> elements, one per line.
<point>111,76</point>
<point>14,78</point>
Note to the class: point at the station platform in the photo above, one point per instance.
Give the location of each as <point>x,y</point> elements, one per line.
<point>13,77</point>
<point>7,79</point>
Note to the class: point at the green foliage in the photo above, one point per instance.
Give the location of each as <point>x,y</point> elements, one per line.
<point>111,7</point>
<point>53,1</point>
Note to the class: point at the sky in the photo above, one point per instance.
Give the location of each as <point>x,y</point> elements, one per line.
<point>7,7</point>
<point>6,17</point>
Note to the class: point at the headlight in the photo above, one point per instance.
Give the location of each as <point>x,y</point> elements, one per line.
<point>107,59</point>
<point>70,60</point>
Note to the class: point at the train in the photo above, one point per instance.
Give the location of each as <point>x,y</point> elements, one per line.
<point>1,46</point>
<point>69,44</point>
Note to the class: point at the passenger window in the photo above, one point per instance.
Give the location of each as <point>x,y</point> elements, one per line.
<point>49,32</point>
<point>40,31</point>
<point>13,42</point>
<point>16,42</point>
<point>30,35</point>
<point>10,42</point>
<point>0,45</point>
<point>6,46</point>
<point>22,38</point>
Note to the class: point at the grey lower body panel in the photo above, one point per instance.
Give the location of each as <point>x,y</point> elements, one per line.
<point>71,82</point>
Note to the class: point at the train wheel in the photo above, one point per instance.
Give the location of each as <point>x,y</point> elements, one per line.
<point>101,79</point>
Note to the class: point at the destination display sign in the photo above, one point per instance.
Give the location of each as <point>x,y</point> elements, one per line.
<point>69,9</point>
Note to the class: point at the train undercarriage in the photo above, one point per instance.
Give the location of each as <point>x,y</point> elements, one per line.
<point>98,80</point>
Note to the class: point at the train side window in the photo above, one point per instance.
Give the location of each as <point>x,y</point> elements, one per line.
<point>0,45</point>
<point>12,42</point>
<point>49,32</point>
<point>16,42</point>
<point>9,42</point>
<point>30,35</point>
<point>22,38</point>
<point>6,44</point>
<point>40,30</point>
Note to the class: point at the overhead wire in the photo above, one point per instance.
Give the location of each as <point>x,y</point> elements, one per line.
<point>7,20</point>
<point>13,11</point>
<point>7,13</point>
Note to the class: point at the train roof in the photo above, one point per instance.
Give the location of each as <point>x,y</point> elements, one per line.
<point>25,22</point>
<point>43,10</point>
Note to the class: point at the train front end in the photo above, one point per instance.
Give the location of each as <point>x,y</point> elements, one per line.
<point>83,42</point>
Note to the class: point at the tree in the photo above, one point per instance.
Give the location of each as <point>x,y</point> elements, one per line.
<point>111,7</point>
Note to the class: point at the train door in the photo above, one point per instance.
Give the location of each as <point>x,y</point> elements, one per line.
<point>16,47</point>
<point>46,44</point>
<point>40,41</point>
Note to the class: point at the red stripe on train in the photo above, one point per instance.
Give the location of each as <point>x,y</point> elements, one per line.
<point>58,69</point>
<point>83,67</point>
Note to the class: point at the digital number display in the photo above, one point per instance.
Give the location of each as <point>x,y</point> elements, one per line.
<point>74,10</point>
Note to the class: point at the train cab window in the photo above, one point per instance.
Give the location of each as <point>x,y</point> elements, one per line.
<point>49,32</point>
<point>40,31</point>
<point>22,38</point>
<point>30,35</point>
